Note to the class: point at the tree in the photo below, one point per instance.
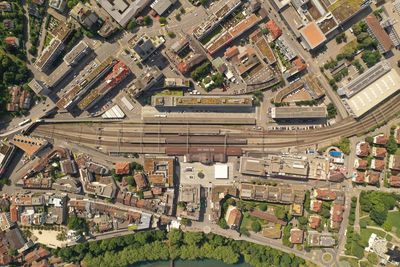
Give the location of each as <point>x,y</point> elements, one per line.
<point>371,57</point>
<point>222,223</point>
<point>193,238</point>
<point>369,140</point>
<point>77,224</point>
<point>186,221</point>
<point>147,20</point>
<point>387,226</point>
<point>130,181</point>
<point>378,213</point>
<point>175,237</point>
<point>391,145</point>
<point>178,17</point>
<point>171,34</point>
<point>332,112</point>
<point>162,20</point>
<point>263,206</point>
<point>132,25</point>
<point>256,226</point>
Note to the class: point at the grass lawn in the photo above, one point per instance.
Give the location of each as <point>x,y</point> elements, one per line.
<point>353,262</point>
<point>366,233</point>
<point>398,151</point>
<point>394,219</point>
<point>170,92</point>
<point>368,221</point>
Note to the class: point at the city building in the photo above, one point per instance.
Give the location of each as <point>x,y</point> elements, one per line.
<point>122,11</point>
<point>362,149</point>
<point>84,15</point>
<point>49,54</point>
<point>118,73</point>
<point>316,239</point>
<point>145,46</point>
<point>370,88</point>
<point>296,112</point>
<point>296,236</point>
<point>233,217</point>
<point>58,5</point>
<point>376,31</point>
<point>189,202</point>
<point>160,171</point>
<point>312,36</point>
<point>191,102</point>
<point>30,145</point>
<point>76,53</point>
<point>394,181</point>
<point>20,99</point>
<point>274,30</point>
<point>161,6</point>
<point>148,79</point>
<point>394,163</point>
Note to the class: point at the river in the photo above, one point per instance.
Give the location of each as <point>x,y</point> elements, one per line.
<point>197,263</point>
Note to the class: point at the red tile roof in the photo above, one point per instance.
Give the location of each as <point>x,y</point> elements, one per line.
<point>316,205</point>
<point>122,168</point>
<point>296,236</point>
<point>360,177</point>
<point>314,221</point>
<point>325,194</point>
<point>337,212</point>
<point>231,52</point>
<point>379,152</point>
<point>394,181</point>
<point>378,32</point>
<point>273,29</point>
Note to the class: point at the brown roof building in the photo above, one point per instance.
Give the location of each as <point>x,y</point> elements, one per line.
<point>160,170</point>
<point>233,217</point>
<point>314,221</point>
<point>274,30</point>
<point>372,177</point>
<point>362,149</point>
<point>30,145</point>
<point>316,205</point>
<point>231,52</point>
<point>381,139</point>
<point>394,181</point>
<point>361,164</point>
<point>296,236</point>
<point>267,216</point>
<point>140,181</point>
<point>378,165</point>
<point>379,152</point>
<point>122,168</point>
<point>375,30</point>
<point>394,163</point>
<point>336,215</point>
<point>359,178</point>
<point>325,194</point>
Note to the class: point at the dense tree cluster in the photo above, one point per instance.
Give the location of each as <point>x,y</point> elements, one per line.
<point>377,204</point>
<point>157,245</point>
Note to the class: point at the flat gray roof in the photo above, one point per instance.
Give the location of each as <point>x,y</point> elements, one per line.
<point>298,112</point>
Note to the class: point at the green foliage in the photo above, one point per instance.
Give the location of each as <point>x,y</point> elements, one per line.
<point>130,181</point>
<point>151,246</point>
<point>256,226</point>
<point>222,223</point>
<point>373,258</point>
<point>186,221</point>
<point>162,20</point>
<point>369,140</point>
<point>171,34</point>
<point>178,17</point>
<point>77,224</point>
<point>147,20</point>
<point>330,64</point>
<point>391,145</point>
<point>377,204</point>
<point>332,112</point>
<point>344,145</point>
<point>371,57</point>
<point>341,38</point>
<point>200,72</point>
<point>131,25</point>
<point>263,206</point>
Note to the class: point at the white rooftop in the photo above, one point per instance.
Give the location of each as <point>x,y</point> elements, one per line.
<point>374,93</point>
<point>221,171</point>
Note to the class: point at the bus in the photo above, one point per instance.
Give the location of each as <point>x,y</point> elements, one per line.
<point>24,122</point>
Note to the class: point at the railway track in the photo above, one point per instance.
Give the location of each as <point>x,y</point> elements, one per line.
<point>132,136</point>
